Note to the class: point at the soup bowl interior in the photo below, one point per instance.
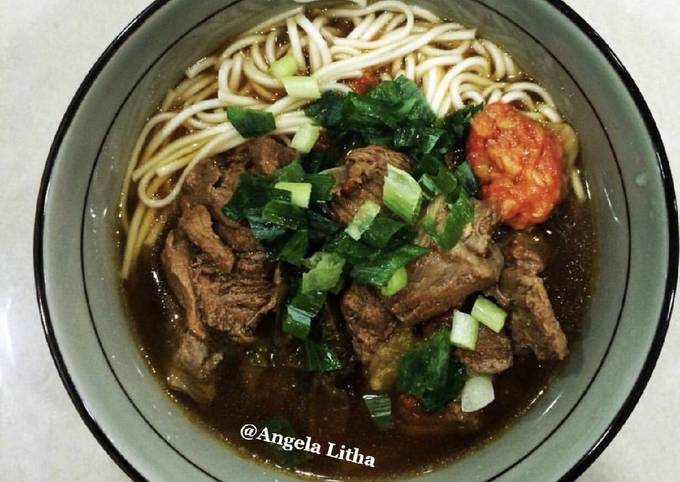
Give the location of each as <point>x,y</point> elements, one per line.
<point>77,258</point>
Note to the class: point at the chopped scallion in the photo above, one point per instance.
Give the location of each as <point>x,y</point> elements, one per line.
<point>325,272</point>
<point>363,219</point>
<point>378,270</point>
<point>488,313</point>
<point>305,138</point>
<point>250,122</point>
<point>300,192</point>
<point>402,194</point>
<point>302,87</point>
<point>464,330</point>
<point>284,214</point>
<point>379,406</point>
<point>284,67</point>
<point>321,186</point>
<point>381,231</point>
<point>396,283</point>
<point>477,393</point>
<point>300,312</point>
<point>459,214</point>
<point>319,357</point>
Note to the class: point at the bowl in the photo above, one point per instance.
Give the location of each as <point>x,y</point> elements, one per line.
<point>76,259</point>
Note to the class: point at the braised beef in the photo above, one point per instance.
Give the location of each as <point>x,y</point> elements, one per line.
<point>441,280</point>
<point>197,225</point>
<point>493,353</point>
<point>369,322</point>
<point>366,171</point>
<point>533,322</point>
<point>176,261</point>
<point>268,155</point>
<point>215,267</point>
<point>193,368</point>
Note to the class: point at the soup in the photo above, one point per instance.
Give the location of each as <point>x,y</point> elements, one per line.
<point>358,228</point>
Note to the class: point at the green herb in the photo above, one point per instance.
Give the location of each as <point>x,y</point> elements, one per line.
<point>293,249</point>
<point>350,249</point>
<point>395,114</point>
<point>300,312</point>
<point>284,214</point>
<point>363,219</point>
<point>379,406</point>
<point>381,231</point>
<point>319,357</point>
<point>428,372</point>
<point>327,111</point>
<point>489,313</point>
<point>321,228</point>
<point>300,192</point>
<point>466,178</point>
<point>460,213</point>
<point>378,270</point>
<point>325,272</point>
<point>292,172</point>
<point>396,283</point>
<point>251,122</point>
<point>402,194</point>
<point>252,192</point>
<point>321,186</point>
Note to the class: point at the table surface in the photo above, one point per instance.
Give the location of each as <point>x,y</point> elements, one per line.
<point>47,47</point>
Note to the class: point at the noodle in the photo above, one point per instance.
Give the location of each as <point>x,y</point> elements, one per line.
<point>451,64</point>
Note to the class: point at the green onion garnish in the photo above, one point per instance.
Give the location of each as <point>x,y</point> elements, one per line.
<point>488,313</point>
<point>300,312</point>
<point>284,214</point>
<point>428,372</point>
<point>251,122</point>
<point>325,272</point>
<point>396,283</point>
<point>284,67</point>
<point>319,357</point>
<point>464,330</point>
<point>300,192</point>
<point>379,406</point>
<point>363,219</point>
<point>477,393</point>
<point>402,194</point>
<point>378,270</point>
<point>302,87</point>
<point>305,138</point>
<point>460,213</point>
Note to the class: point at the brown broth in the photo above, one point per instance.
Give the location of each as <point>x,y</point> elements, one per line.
<point>284,391</point>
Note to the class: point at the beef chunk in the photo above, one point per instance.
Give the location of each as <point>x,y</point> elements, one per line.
<point>268,155</point>
<point>211,184</point>
<point>215,267</point>
<point>493,353</point>
<point>232,302</point>
<point>366,171</point>
<point>176,260</point>
<point>368,321</point>
<point>235,302</point>
<point>197,224</point>
<point>413,421</point>
<point>441,280</point>
<point>533,322</point>
<point>193,369</point>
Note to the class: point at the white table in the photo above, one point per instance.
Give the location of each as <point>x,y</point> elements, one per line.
<point>46,48</point>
